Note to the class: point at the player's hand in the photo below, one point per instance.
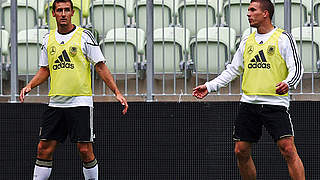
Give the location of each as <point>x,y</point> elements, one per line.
<point>23,93</point>
<point>200,91</point>
<point>282,88</point>
<point>123,101</point>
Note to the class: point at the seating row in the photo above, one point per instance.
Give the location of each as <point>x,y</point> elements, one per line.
<point>124,46</point>
<point>174,49</point>
<point>210,51</point>
<point>192,14</point>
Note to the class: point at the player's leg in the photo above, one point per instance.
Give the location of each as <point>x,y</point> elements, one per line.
<point>46,149</point>
<point>245,163</point>
<point>289,152</point>
<point>86,151</point>
<point>278,124</point>
<point>90,164</point>
<point>43,166</point>
<point>52,131</point>
<point>247,130</point>
<point>80,120</point>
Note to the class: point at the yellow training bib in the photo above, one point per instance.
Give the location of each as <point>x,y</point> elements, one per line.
<point>69,69</point>
<point>264,66</point>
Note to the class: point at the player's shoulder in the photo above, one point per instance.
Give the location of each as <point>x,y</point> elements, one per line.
<point>88,36</point>
<point>87,32</point>
<point>286,37</point>
<point>45,38</point>
<point>286,34</point>
<point>46,35</point>
<point>244,40</point>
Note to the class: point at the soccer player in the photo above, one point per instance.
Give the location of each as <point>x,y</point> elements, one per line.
<point>66,57</point>
<point>270,65</point>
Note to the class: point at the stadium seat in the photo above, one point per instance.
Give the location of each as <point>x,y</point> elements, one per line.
<point>295,13</point>
<point>212,64</point>
<point>162,17</point>
<point>4,40</point>
<point>27,14</point>
<point>171,45</point>
<point>79,6</point>
<point>240,22</point>
<point>306,46</point>
<point>199,7</point>
<point>245,33</point>
<point>316,11</point>
<point>29,46</point>
<point>106,15</point>
<point>4,52</point>
<point>121,47</point>
<point>235,15</point>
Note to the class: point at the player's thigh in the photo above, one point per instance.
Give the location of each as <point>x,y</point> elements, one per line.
<point>80,124</point>
<point>53,125</point>
<point>278,122</point>
<point>247,126</point>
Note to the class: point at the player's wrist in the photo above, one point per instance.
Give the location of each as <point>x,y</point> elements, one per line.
<point>289,87</point>
<point>28,86</point>
<point>117,92</point>
<point>208,87</point>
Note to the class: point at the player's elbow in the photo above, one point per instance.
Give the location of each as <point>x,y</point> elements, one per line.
<point>99,67</point>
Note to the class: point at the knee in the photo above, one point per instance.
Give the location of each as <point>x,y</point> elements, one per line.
<point>84,151</point>
<point>242,153</point>
<point>45,152</point>
<point>288,151</point>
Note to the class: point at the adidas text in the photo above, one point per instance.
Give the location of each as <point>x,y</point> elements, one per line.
<point>63,65</point>
<point>263,65</point>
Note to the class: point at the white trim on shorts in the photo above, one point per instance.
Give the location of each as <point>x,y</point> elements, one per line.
<point>91,125</point>
<point>290,123</point>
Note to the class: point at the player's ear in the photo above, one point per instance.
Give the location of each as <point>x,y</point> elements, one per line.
<point>53,13</point>
<point>72,12</point>
<point>266,13</point>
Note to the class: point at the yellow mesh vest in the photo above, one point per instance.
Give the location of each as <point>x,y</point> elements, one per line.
<point>69,69</point>
<point>263,66</point>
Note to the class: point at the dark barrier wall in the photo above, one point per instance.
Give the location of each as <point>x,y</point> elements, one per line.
<point>157,141</point>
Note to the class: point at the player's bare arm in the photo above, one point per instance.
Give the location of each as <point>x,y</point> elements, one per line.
<point>106,76</point>
<point>41,76</point>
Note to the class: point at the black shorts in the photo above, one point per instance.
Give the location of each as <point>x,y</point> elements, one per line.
<point>75,122</point>
<point>251,118</point>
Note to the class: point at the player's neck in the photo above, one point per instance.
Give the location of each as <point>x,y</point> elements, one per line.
<point>265,28</point>
<point>66,29</point>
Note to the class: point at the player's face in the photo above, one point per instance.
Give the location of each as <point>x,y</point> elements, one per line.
<point>63,13</point>
<point>256,15</point>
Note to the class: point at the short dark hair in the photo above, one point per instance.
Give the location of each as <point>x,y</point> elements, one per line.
<point>56,1</point>
<point>266,5</point>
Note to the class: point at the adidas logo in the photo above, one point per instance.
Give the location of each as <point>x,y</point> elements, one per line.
<point>259,61</point>
<point>63,61</point>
